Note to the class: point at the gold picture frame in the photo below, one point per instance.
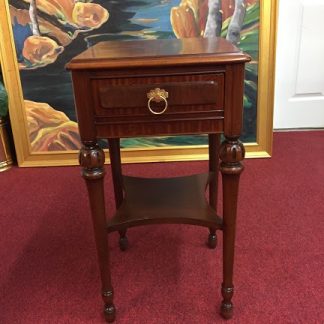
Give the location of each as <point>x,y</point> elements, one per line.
<point>261,148</point>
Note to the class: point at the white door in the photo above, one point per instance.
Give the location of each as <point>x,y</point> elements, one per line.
<point>299,94</point>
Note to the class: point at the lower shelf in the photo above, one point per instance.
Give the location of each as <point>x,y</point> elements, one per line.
<point>178,200</point>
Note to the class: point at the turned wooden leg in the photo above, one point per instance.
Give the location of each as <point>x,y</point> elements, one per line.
<point>231,153</point>
<point>92,160</point>
<point>115,162</point>
<point>214,145</point>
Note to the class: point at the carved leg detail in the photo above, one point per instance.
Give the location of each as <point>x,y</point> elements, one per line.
<point>231,153</point>
<point>92,160</point>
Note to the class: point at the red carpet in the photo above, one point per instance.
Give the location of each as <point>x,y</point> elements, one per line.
<point>48,270</point>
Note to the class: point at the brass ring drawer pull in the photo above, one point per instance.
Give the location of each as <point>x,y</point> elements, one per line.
<point>157,95</point>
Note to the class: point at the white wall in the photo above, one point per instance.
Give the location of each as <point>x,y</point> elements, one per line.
<point>299,94</point>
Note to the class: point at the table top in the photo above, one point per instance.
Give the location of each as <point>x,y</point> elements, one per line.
<point>159,52</point>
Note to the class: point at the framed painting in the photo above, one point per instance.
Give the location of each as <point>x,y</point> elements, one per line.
<point>38,37</point>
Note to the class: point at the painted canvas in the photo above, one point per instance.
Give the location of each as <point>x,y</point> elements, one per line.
<point>48,33</point>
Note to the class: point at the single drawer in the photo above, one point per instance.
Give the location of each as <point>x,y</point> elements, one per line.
<point>179,96</point>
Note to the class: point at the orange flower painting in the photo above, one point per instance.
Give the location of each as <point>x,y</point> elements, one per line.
<point>50,130</point>
<point>41,47</point>
<point>46,43</point>
<point>48,33</point>
<point>40,51</point>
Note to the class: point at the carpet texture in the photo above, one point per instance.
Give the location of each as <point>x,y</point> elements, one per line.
<point>48,267</point>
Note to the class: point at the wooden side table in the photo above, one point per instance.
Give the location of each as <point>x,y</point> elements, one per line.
<point>161,87</point>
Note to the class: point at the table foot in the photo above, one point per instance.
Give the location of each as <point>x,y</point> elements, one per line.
<point>227,310</point>
<point>123,243</point>
<point>227,305</point>
<point>110,313</point>
<point>109,308</point>
<point>212,240</point>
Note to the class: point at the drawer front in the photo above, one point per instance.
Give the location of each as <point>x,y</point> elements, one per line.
<point>128,97</point>
<point>194,103</point>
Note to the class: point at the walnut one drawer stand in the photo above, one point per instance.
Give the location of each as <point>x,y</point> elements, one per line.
<point>153,88</point>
